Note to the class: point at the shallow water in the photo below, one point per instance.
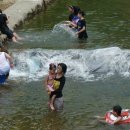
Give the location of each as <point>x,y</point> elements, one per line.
<point>98,69</point>
<point>23,106</point>
<point>107,25</point>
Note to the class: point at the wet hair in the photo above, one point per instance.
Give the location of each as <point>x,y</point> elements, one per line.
<point>63,66</point>
<point>0,11</point>
<point>52,66</point>
<point>117,109</point>
<point>81,13</point>
<point>75,8</point>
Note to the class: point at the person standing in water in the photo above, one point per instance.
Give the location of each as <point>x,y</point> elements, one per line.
<point>5,29</point>
<point>81,26</point>
<point>59,82</point>
<point>5,65</point>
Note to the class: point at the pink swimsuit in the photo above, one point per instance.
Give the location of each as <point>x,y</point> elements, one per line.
<point>50,86</point>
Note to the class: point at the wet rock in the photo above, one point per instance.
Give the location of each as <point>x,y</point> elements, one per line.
<point>3,37</point>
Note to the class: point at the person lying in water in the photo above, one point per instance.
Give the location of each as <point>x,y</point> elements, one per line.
<point>117,115</point>
<point>6,30</point>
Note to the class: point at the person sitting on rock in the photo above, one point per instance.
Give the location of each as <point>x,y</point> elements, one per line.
<point>6,30</point>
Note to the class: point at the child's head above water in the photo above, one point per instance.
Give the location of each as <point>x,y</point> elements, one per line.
<point>81,14</point>
<point>52,68</point>
<point>117,109</point>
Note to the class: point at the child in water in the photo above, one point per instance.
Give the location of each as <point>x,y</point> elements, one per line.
<point>116,112</point>
<point>80,26</point>
<point>49,83</point>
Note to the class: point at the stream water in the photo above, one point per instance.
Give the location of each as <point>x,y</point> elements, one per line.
<point>98,69</point>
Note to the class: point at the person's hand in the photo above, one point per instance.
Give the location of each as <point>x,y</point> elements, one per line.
<point>112,123</point>
<point>11,65</point>
<point>97,117</point>
<point>49,92</point>
<point>77,33</point>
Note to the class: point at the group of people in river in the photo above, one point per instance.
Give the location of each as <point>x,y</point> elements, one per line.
<point>77,21</point>
<point>55,80</point>
<point>54,84</point>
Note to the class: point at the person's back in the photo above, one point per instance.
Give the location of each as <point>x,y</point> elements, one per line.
<point>4,64</point>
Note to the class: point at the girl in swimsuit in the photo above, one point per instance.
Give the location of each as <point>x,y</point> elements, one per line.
<point>49,82</point>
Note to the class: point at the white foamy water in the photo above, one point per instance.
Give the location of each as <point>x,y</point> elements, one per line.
<point>63,28</point>
<point>87,65</point>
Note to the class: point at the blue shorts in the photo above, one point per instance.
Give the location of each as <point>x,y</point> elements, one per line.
<point>2,78</point>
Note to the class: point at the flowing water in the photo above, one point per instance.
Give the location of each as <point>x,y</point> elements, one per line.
<point>98,68</point>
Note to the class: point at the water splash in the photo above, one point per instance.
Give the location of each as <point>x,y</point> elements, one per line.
<point>87,65</point>
<point>64,29</point>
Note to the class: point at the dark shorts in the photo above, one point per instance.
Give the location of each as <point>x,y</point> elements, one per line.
<point>2,78</point>
<point>83,35</point>
<point>8,32</point>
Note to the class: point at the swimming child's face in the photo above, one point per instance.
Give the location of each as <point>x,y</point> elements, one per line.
<point>115,113</point>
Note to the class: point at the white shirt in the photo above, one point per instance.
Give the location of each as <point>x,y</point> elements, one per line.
<point>4,64</point>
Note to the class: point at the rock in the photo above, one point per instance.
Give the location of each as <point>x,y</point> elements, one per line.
<point>3,37</point>
<point>3,40</point>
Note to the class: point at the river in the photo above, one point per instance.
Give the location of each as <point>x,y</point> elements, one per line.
<point>98,69</point>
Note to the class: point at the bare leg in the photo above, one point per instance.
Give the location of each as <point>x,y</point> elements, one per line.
<point>17,36</point>
<point>14,39</point>
<point>52,102</point>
